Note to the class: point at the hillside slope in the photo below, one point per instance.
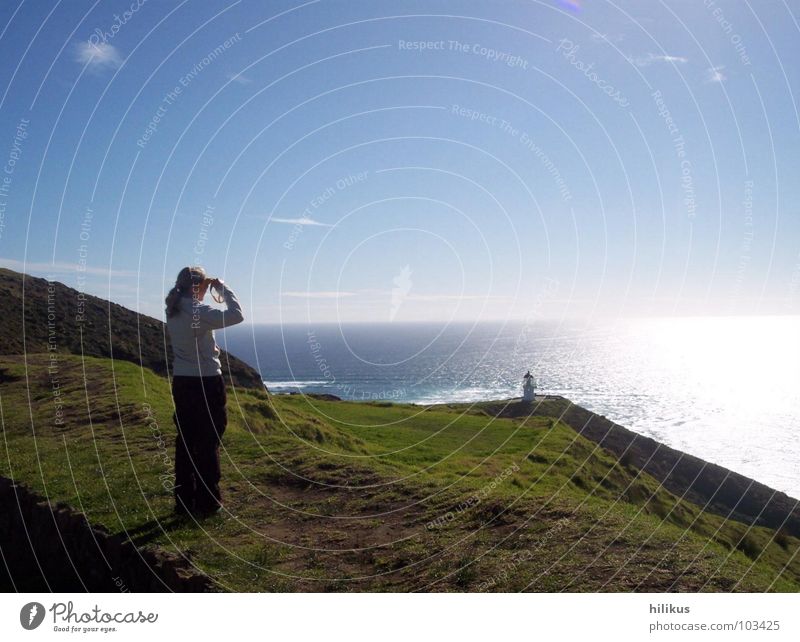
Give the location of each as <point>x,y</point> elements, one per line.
<point>717,489</point>
<point>327,495</point>
<point>38,314</point>
<point>322,494</point>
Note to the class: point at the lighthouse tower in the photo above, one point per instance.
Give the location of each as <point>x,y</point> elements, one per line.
<point>528,391</point>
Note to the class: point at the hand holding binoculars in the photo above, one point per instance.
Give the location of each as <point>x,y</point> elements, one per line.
<point>215,289</point>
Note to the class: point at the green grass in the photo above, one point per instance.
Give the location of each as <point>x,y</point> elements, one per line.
<point>324,495</point>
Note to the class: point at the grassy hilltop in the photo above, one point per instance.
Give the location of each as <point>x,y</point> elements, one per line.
<point>331,495</point>
<point>326,495</point>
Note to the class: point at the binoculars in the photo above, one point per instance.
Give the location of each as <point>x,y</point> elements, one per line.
<point>215,290</point>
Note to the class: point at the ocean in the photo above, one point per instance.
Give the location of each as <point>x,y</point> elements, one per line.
<point>726,389</point>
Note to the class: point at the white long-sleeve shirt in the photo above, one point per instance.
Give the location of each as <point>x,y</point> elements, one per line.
<point>191,332</point>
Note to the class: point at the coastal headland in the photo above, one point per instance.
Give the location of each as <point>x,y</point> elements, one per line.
<point>330,495</point>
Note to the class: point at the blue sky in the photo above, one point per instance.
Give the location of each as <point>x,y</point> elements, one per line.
<point>399,161</point>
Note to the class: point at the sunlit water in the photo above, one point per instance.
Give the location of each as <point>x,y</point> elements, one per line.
<point>726,389</point>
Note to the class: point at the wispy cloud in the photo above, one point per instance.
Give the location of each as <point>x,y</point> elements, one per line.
<point>60,267</point>
<point>651,58</point>
<point>456,297</point>
<point>374,295</point>
<point>240,78</point>
<point>714,74</point>
<point>98,57</point>
<point>322,294</point>
<point>303,220</point>
<point>402,286</point>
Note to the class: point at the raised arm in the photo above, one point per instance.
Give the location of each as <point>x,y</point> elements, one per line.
<point>216,319</point>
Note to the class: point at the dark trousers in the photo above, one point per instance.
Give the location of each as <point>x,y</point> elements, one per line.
<point>200,417</point>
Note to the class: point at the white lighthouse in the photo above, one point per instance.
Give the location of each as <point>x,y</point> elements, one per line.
<point>528,387</point>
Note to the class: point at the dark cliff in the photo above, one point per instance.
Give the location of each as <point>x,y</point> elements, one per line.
<point>39,316</point>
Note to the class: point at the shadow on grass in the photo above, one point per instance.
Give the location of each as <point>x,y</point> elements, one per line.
<point>149,531</point>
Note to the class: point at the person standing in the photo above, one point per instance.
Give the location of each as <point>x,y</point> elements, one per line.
<point>198,388</point>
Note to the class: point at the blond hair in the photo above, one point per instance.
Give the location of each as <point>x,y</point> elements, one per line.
<point>188,278</point>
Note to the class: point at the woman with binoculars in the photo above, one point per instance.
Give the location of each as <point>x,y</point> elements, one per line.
<point>198,387</point>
